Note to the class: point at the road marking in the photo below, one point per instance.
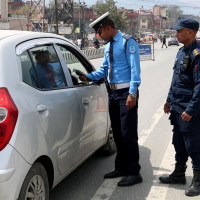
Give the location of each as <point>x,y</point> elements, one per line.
<point>105,191</point>
<point>159,190</point>
<point>149,128</point>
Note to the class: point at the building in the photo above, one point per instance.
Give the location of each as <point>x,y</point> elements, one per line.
<point>132,18</point>
<point>4,25</point>
<point>145,18</point>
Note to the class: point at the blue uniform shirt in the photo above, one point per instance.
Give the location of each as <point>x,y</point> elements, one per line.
<point>125,65</point>
<point>45,82</point>
<point>184,93</point>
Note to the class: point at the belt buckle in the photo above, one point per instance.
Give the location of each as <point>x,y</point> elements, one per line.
<point>113,86</point>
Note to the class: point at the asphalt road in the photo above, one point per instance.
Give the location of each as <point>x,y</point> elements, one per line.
<point>156,150</point>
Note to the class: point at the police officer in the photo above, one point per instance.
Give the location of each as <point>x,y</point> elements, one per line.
<point>183,103</point>
<point>121,65</point>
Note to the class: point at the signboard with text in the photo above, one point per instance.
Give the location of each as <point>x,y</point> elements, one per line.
<point>145,52</point>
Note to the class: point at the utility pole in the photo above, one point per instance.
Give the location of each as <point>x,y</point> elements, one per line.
<point>43,15</point>
<point>79,17</point>
<point>56,12</point>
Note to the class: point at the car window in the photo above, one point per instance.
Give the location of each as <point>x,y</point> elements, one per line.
<point>73,62</point>
<point>41,68</point>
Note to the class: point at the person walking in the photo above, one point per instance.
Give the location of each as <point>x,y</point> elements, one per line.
<point>164,41</point>
<point>79,42</point>
<point>183,104</point>
<point>121,65</point>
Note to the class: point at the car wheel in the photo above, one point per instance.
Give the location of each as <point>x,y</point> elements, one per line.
<point>110,146</point>
<point>36,184</point>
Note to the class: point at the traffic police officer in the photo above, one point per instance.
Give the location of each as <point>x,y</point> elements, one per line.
<point>121,65</point>
<point>183,103</point>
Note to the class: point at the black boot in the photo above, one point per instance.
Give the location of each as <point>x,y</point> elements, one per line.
<point>176,177</point>
<point>194,188</point>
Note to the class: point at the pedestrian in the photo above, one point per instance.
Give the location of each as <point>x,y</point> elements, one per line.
<point>86,43</point>
<point>96,44</point>
<point>164,41</point>
<point>121,64</point>
<point>79,42</point>
<point>183,104</point>
<point>161,38</point>
<point>83,44</point>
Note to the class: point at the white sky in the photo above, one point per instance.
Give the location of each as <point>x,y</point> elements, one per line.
<point>188,6</point>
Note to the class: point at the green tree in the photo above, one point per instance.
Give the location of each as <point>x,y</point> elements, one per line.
<point>118,17</point>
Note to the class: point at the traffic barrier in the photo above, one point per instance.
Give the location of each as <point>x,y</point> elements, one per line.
<point>90,54</point>
<point>146,53</point>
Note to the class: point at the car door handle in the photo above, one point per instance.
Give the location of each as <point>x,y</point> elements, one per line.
<point>41,108</point>
<point>85,101</point>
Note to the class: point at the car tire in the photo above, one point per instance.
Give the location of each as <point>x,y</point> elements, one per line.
<point>110,147</point>
<point>36,184</point>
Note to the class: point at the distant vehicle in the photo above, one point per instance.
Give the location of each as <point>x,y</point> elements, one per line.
<point>169,33</point>
<point>198,40</point>
<point>166,34</point>
<point>173,41</point>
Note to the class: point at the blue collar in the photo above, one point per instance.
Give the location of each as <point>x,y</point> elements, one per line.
<point>117,36</point>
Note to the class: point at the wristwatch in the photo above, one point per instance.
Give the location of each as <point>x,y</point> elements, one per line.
<point>132,95</point>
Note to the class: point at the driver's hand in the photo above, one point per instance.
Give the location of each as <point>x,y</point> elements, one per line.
<point>83,78</point>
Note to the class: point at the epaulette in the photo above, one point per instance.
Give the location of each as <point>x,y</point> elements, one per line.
<point>194,55</point>
<point>127,37</point>
<point>195,52</point>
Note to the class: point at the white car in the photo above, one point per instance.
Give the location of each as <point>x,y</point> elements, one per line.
<point>50,121</point>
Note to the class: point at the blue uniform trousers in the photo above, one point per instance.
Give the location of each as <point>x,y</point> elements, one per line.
<point>186,140</point>
<point>124,124</point>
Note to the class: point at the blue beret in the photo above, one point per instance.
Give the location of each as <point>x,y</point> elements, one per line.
<point>186,23</point>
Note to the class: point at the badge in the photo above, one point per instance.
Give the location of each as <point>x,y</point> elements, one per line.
<point>132,49</point>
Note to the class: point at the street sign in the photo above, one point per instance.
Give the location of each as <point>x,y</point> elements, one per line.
<point>145,52</point>
<point>64,30</point>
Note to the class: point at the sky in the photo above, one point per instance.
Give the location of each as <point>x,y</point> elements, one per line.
<point>188,6</point>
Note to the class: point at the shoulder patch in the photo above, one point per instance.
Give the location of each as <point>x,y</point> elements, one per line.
<point>132,49</point>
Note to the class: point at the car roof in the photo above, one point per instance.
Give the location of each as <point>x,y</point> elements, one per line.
<point>29,34</point>
<point>8,33</point>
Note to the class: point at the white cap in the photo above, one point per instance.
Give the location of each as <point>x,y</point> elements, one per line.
<point>99,21</point>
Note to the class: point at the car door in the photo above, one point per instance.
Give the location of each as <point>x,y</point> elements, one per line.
<point>93,101</point>
<point>55,102</point>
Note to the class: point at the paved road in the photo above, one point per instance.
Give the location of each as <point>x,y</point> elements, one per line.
<point>156,151</point>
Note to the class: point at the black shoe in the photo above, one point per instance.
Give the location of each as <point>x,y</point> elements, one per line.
<point>130,180</point>
<point>113,174</point>
<point>194,188</point>
<point>172,180</point>
<point>176,177</point>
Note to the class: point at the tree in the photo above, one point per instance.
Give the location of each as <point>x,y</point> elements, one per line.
<point>118,17</point>
<point>174,12</point>
<point>25,10</point>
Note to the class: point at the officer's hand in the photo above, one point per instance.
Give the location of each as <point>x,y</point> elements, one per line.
<point>167,108</point>
<point>130,102</point>
<point>186,117</point>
